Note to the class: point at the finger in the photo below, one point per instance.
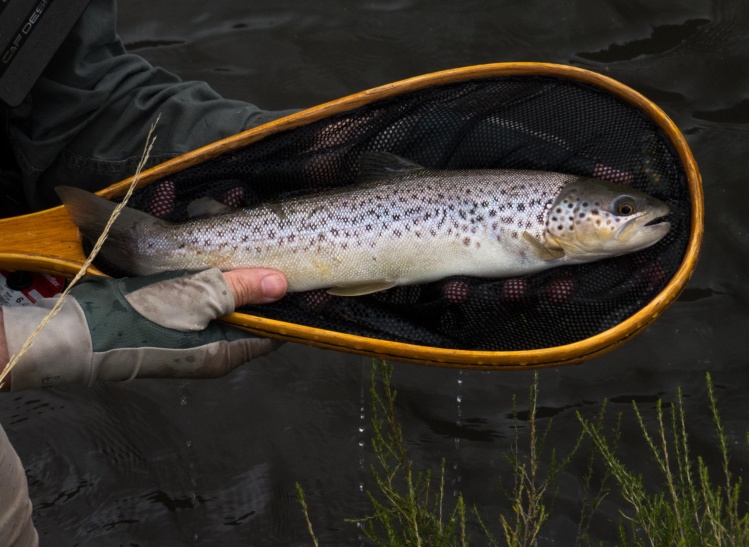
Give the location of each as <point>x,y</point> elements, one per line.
<point>256,286</point>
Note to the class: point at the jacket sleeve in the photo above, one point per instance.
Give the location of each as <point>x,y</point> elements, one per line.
<point>85,121</point>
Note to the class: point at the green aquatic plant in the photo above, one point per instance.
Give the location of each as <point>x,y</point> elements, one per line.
<point>406,508</point>
<point>596,482</point>
<point>305,511</point>
<point>691,509</point>
<point>533,489</point>
<point>409,506</point>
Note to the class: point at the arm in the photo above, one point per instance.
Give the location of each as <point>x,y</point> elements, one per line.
<point>169,314</point>
<point>86,117</point>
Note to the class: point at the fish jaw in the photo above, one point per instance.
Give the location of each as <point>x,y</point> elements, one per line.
<point>643,232</point>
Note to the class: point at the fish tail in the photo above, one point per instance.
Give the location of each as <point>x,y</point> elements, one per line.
<point>91,214</point>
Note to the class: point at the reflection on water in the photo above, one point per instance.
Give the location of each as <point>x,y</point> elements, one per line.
<point>131,464</point>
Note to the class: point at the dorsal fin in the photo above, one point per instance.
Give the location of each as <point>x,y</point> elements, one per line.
<point>375,166</point>
<point>206,207</point>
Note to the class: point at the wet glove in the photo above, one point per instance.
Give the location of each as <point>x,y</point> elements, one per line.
<point>158,326</point>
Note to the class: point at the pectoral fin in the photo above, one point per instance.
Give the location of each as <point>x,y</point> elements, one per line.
<point>360,290</point>
<point>543,252</point>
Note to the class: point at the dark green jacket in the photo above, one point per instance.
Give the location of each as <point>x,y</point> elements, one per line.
<point>85,121</point>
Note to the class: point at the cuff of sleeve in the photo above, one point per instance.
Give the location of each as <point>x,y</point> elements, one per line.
<point>60,354</point>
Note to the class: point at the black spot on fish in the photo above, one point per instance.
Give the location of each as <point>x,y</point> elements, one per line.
<point>521,207</point>
<point>466,241</point>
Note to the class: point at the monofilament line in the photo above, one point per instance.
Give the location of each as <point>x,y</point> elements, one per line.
<point>150,139</point>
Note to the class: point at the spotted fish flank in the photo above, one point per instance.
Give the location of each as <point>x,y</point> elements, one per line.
<point>401,224</point>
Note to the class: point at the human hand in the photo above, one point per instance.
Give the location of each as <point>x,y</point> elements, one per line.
<point>158,326</point>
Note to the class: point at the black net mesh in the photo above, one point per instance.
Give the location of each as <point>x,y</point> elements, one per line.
<point>522,122</point>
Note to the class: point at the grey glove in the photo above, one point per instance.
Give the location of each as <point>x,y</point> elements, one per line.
<point>119,329</point>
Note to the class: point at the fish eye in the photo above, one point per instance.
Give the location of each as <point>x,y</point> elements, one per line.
<point>624,206</point>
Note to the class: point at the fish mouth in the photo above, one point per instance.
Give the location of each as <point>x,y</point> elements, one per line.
<point>656,219</point>
<point>645,230</point>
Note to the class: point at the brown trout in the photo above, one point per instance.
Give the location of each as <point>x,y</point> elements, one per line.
<point>401,224</point>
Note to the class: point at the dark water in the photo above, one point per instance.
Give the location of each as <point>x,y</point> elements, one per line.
<point>215,462</point>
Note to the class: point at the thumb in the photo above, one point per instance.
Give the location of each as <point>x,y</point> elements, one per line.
<point>256,285</point>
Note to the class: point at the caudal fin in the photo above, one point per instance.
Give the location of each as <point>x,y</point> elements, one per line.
<point>91,214</point>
